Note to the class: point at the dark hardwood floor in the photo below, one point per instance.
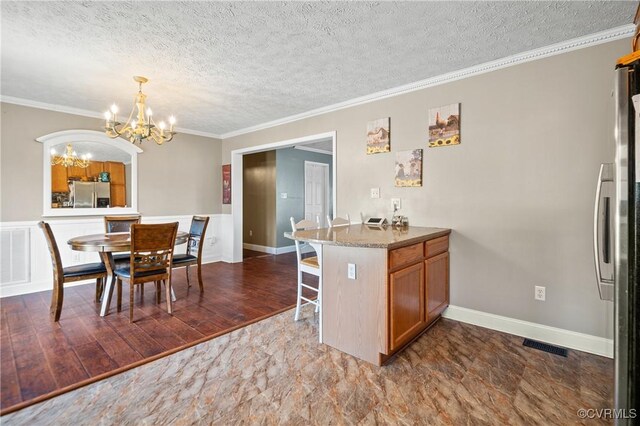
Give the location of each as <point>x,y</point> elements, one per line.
<point>39,356</point>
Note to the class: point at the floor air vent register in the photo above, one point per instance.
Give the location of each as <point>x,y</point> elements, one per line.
<point>556,350</point>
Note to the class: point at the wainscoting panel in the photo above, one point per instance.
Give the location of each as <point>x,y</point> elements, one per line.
<point>26,264</point>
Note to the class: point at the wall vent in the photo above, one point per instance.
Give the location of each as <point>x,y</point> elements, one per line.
<point>14,256</point>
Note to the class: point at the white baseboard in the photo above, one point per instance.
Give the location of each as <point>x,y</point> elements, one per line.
<point>556,336</point>
<point>269,250</point>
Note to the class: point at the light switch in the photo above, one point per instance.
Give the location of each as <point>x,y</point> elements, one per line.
<point>351,271</point>
<point>375,192</point>
<point>283,195</point>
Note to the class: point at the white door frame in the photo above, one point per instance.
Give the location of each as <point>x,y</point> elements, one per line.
<point>326,187</point>
<point>236,179</point>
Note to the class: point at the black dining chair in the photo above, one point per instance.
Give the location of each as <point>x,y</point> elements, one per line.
<point>193,256</point>
<point>120,224</point>
<point>63,275</point>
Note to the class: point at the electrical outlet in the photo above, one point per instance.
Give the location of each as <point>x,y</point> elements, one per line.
<point>250,233</point>
<point>351,271</point>
<point>540,293</point>
<point>375,192</point>
<point>396,203</point>
<point>212,241</point>
<point>75,256</point>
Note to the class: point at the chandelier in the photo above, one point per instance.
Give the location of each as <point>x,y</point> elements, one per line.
<point>140,125</point>
<point>70,158</point>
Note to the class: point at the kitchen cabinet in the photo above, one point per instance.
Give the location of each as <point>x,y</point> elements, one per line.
<point>406,304</point>
<point>76,172</point>
<point>59,178</point>
<point>400,287</point>
<point>437,284</point>
<point>94,169</point>
<point>118,183</point>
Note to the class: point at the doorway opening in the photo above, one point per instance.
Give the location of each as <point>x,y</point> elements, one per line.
<point>277,181</point>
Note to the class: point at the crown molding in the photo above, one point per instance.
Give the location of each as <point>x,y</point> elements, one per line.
<point>509,61</point>
<point>86,113</point>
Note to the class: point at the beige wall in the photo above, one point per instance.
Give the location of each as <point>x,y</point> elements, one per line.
<point>518,192</point>
<point>180,177</point>
<point>259,198</point>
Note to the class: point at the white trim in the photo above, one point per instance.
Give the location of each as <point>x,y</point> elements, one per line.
<point>553,335</point>
<point>269,250</point>
<point>306,148</point>
<point>86,113</point>
<point>517,59</point>
<point>70,136</point>
<point>236,179</point>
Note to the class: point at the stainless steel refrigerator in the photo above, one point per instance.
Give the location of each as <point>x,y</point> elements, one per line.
<point>617,238</point>
<point>91,194</point>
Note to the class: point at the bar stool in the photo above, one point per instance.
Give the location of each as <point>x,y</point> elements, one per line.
<point>309,265</point>
<point>338,221</point>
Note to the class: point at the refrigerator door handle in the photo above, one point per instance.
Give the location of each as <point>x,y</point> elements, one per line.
<point>602,233</point>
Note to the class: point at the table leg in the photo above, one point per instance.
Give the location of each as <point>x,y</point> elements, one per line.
<point>110,282</point>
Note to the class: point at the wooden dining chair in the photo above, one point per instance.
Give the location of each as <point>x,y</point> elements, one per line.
<point>61,275</point>
<point>309,265</point>
<point>193,256</point>
<point>120,224</point>
<point>338,221</point>
<point>150,261</point>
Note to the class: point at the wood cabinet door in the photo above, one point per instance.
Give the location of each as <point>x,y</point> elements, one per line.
<point>77,172</point>
<point>118,196</point>
<point>406,304</point>
<point>116,172</point>
<point>59,178</point>
<point>94,169</point>
<point>437,284</point>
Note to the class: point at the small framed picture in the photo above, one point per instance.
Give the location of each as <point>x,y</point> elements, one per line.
<point>444,126</point>
<point>226,184</point>
<point>378,136</point>
<point>409,168</point>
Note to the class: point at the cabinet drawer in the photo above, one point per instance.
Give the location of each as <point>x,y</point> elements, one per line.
<point>437,246</point>
<point>405,255</point>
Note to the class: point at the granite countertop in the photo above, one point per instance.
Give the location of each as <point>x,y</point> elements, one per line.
<point>367,236</point>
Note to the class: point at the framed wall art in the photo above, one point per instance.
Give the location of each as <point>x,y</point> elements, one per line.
<point>226,184</point>
<point>444,126</point>
<point>378,136</point>
<point>409,168</point>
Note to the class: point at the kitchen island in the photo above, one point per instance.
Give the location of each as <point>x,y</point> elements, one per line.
<point>398,286</point>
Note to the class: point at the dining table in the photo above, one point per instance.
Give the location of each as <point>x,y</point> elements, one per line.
<point>106,245</point>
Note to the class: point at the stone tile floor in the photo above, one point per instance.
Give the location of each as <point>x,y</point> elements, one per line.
<point>275,372</point>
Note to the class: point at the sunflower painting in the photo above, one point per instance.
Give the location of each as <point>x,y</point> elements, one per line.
<point>444,126</point>
<point>378,137</point>
<point>409,168</point>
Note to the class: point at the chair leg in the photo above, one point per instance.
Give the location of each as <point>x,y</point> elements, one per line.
<point>167,288</point>
<point>56,300</point>
<point>297,316</point>
<point>200,276</point>
<point>99,289</point>
<point>187,272</point>
<point>142,290</point>
<point>119,290</point>
<point>157,292</point>
<point>131,288</point>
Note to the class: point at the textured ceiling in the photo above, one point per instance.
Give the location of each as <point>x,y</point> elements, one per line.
<point>221,66</point>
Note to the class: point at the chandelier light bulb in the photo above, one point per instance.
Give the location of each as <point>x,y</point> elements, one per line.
<point>172,120</point>
<point>162,125</point>
<point>107,115</point>
<point>88,155</point>
<point>149,112</point>
<point>53,151</point>
<point>134,124</point>
<point>114,109</point>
